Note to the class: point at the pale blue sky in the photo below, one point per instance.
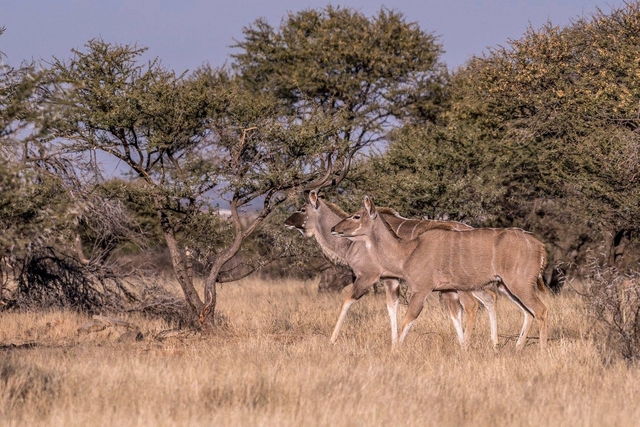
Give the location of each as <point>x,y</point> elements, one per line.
<point>187,33</point>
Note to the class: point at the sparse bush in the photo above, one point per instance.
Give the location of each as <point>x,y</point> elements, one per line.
<point>614,304</point>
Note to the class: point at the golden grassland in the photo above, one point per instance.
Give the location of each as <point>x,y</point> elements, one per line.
<point>272,364</point>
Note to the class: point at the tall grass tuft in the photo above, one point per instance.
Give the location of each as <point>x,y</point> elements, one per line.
<point>25,387</point>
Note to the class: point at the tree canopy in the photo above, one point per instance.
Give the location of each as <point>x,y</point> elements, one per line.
<point>378,70</point>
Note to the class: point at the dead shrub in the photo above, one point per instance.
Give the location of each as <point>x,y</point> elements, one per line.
<point>614,303</point>
<point>50,279</point>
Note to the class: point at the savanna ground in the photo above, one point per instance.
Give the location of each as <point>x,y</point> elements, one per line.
<point>272,364</point>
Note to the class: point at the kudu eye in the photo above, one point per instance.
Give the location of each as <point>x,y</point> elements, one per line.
<point>303,210</point>
<point>356,217</point>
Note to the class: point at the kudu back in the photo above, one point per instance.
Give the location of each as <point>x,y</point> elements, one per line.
<point>317,217</point>
<point>467,260</point>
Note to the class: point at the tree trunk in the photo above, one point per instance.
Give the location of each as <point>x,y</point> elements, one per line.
<point>180,269</point>
<point>186,283</point>
<point>207,312</point>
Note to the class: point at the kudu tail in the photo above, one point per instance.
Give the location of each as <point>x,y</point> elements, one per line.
<point>542,284</point>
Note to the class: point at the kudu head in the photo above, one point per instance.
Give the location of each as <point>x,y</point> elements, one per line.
<point>311,216</point>
<point>307,218</point>
<point>359,224</point>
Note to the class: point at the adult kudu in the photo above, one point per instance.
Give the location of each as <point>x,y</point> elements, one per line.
<point>316,218</point>
<point>467,260</point>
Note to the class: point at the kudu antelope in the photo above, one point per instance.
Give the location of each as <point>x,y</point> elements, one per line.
<point>440,259</point>
<point>316,218</point>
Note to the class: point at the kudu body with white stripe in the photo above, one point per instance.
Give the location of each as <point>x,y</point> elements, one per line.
<point>317,217</point>
<point>467,260</point>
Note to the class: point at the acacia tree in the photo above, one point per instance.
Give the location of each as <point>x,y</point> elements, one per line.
<point>192,142</point>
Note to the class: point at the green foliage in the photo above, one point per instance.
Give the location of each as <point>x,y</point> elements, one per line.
<point>17,90</point>
<point>428,171</point>
<point>141,114</point>
<point>33,211</point>
<point>261,147</point>
<point>135,198</point>
<point>564,102</point>
<point>150,119</point>
<point>374,69</point>
<point>184,136</point>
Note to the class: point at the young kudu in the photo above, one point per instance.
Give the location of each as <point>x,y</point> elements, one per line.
<point>440,259</point>
<point>317,217</point>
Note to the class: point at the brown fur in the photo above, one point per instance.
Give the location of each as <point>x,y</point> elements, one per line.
<point>335,209</point>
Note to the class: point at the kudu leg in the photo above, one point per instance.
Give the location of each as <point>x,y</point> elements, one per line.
<point>470,306</point>
<point>392,290</point>
<point>540,313</point>
<point>360,287</point>
<point>343,314</point>
<point>413,311</point>
<point>488,299</point>
<point>526,298</point>
<point>526,325</point>
<point>453,301</point>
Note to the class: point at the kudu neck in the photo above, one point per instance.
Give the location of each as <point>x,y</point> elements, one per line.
<point>331,245</point>
<point>390,248</point>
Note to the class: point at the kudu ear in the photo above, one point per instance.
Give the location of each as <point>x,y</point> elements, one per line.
<point>370,207</point>
<point>313,199</point>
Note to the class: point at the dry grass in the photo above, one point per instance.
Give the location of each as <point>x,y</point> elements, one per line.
<point>272,364</point>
